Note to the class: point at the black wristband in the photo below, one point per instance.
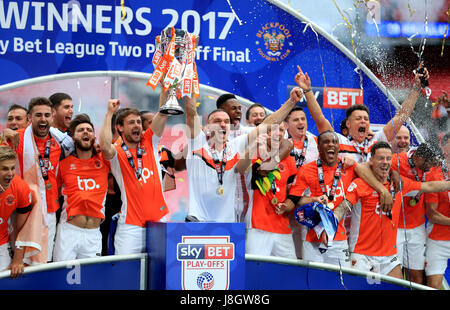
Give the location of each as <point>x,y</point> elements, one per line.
<point>294,199</point>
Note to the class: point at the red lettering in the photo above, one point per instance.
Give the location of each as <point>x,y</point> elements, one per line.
<point>219,251</point>
<point>342,98</point>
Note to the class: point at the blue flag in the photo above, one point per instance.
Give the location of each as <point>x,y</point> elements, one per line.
<point>314,213</point>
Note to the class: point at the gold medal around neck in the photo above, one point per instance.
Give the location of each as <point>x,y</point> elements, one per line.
<point>330,205</point>
<point>274,201</point>
<point>48,186</point>
<point>412,202</point>
<point>220,191</point>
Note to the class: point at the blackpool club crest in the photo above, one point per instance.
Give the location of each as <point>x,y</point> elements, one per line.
<point>205,262</point>
<point>275,37</point>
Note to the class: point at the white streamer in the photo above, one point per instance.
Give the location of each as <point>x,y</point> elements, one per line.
<point>79,89</point>
<point>232,10</point>
<point>309,25</point>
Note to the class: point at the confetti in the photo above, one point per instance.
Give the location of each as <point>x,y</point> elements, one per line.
<point>349,26</point>
<point>234,13</point>
<point>124,12</point>
<point>411,12</point>
<point>445,32</point>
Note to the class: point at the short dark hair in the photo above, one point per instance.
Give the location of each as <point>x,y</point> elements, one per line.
<point>16,107</point>
<point>247,113</point>
<point>144,112</point>
<point>77,120</point>
<point>296,108</point>
<point>326,132</point>
<point>379,145</point>
<point>355,107</point>
<point>215,111</point>
<point>223,98</point>
<point>344,124</point>
<point>56,99</point>
<point>123,113</point>
<point>38,101</point>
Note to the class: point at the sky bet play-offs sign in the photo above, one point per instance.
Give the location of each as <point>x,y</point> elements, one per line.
<point>196,256</point>
<point>205,262</point>
<point>253,53</point>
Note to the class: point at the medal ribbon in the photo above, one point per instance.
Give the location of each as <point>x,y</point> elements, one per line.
<point>392,191</point>
<point>416,176</point>
<point>139,153</point>
<point>44,163</point>
<point>219,165</point>
<point>272,194</point>
<point>336,177</point>
<point>300,155</point>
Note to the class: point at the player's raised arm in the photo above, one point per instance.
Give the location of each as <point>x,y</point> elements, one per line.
<point>304,82</point>
<point>105,136</point>
<point>407,107</point>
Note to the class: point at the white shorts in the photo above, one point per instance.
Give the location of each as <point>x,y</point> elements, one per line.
<point>337,254</point>
<point>265,243</point>
<point>51,222</point>
<point>73,242</point>
<point>378,264</point>
<point>129,239</point>
<point>437,255</point>
<point>411,248</point>
<point>5,258</point>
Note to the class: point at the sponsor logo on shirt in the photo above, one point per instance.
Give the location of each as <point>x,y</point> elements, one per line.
<point>87,184</point>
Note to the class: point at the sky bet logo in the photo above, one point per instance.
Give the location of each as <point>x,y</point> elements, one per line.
<point>205,251</point>
<point>335,97</point>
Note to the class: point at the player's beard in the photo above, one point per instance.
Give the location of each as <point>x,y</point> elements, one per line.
<point>82,146</point>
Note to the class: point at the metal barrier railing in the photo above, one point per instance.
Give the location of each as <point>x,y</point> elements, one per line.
<point>266,259</point>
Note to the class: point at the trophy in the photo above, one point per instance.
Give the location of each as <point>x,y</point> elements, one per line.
<point>175,67</point>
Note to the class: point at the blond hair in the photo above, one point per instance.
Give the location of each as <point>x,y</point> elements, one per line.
<point>7,154</point>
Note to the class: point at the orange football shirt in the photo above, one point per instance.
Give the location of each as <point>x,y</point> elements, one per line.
<point>263,211</point>
<point>414,215</point>
<point>372,231</point>
<point>84,183</point>
<point>437,231</point>
<point>142,200</point>
<point>16,196</point>
<point>307,177</point>
<point>52,195</point>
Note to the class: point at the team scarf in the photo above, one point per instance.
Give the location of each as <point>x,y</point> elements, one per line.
<point>33,235</point>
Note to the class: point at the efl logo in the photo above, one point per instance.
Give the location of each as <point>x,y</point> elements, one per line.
<point>201,254</point>
<point>341,98</point>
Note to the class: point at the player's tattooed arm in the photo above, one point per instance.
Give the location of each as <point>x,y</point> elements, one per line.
<point>342,209</point>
